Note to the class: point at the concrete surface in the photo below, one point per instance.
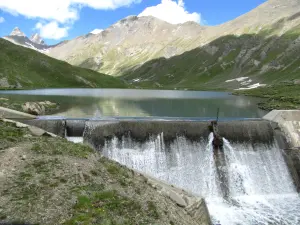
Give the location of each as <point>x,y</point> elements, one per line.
<point>13,114</point>
<point>194,206</point>
<point>289,123</point>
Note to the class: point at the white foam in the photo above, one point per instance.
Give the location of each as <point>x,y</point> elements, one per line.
<point>260,188</point>
<point>75,139</point>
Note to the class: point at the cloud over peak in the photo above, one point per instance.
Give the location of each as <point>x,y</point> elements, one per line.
<point>172,12</point>
<point>52,30</point>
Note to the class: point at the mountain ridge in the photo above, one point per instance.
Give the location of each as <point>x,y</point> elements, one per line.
<point>252,45</point>
<point>35,42</point>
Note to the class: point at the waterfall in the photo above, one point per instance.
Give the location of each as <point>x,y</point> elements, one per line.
<point>249,183</point>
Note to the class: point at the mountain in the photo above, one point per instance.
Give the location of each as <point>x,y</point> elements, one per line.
<point>25,68</point>
<point>130,42</point>
<point>260,47</point>
<point>17,32</point>
<point>35,42</point>
<point>36,38</point>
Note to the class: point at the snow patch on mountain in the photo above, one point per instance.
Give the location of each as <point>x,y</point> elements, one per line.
<point>96,31</point>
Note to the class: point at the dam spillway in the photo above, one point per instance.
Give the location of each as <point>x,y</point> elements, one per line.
<point>248,183</point>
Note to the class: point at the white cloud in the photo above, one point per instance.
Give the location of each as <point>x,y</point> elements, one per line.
<point>55,12</point>
<point>52,30</point>
<point>58,10</point>
<point>2,20</point>
<point>172,12</point>
<point>96,31</point>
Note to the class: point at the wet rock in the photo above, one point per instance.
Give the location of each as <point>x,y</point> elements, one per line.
<point>33,108</point>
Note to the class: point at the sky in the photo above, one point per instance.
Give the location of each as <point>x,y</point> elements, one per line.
<point>57,20</point>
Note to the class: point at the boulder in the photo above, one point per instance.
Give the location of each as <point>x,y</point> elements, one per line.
<point>48,104</point>
<point>34,108</point>
<point>297,81</point>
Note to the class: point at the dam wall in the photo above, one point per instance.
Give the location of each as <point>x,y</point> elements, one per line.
<point>289,123</point>
<point>100,130</point>
<point>141,131</point>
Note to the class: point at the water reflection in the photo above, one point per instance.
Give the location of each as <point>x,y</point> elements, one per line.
<point>97,103</point>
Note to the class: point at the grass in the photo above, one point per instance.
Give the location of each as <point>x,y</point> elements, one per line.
<point>199,70</point>
<point>53,146</point>
<point>32,69</point>
<point>52,181</point>
<point>110,207</point>
<point>9,135</point>
<point>282,96</point>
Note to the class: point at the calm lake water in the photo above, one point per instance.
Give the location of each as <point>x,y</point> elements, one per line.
<point>98,103</point>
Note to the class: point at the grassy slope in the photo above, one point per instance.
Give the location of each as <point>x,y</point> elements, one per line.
<point>276,58</point>
<point>35,70</point>
<point>283,96</point>
<point>48,180</point>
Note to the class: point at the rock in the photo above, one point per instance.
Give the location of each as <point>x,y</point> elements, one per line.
<point>23,157</point>
<point>47,104</point>
<point>297,81</point>
<point>4,83</point>
<point>199,212</point>
<point>21,125</point>
<point>36,131</point>
<point>33,108</point>
<point>40,132</point>
<point>178,199</point>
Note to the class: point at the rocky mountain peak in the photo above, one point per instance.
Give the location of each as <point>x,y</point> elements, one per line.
<point>17,32</point>
<point>36,38</point>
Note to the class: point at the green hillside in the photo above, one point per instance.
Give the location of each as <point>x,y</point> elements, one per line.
<point>266,58</point>
<point>25,68</point>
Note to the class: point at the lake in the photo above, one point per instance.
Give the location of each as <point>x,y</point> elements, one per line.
<point>99,103</point>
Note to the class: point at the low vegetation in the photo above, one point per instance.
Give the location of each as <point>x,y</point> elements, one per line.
<point>282,96</point>
<point>46,180</point>
<point>26,68</point>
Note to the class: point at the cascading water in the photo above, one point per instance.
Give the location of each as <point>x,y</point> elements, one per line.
<point>246,184</point>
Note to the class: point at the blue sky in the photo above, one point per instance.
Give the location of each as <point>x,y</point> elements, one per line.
<point>57,20</point>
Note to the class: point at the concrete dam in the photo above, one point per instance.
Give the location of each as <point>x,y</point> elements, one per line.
<point>254,180</point>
